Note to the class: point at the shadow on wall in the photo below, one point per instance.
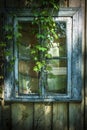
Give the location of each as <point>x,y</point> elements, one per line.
<point>34,116</point>
<point>31,116</point>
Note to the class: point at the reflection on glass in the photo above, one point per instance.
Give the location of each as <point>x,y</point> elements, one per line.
<point>28,39</point>
<point>57,76</point>
<point>28,79</point>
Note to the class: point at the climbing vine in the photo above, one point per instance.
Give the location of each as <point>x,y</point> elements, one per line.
<point>43,17</point>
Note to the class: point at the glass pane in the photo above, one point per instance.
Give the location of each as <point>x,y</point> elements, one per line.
<point>56,63</point>
<point>28,79</point>
<point>58,47</point>
<point>56,83</point>
<point>57,76</point>
<point>28,38</point>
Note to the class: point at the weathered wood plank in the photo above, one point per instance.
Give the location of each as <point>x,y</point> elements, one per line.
<point>86,113</point>
<point>9,3</point>
<point>42,116</point>
<point>76,62</point>
<point>60,119</point>
<point>83,5</point>
<point>2,110</point>
<point>0,119</point>
<point>39,119</point>
<point>83,61</point>
<point>23,3</point>
<point>1,3</point>
<point>22,116</point>
<point>6,117</point>
<point>48,116</point>
<point>86,72</point>
<point>12,3</point>
<point>75,116</point>
<point>74,3</point>
<point>63,3</point>
<point>1,116</point>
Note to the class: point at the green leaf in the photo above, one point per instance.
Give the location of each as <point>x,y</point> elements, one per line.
<point>7,53</point>
<point>40,48</point>
<point>8,27</point>
<point>2,44</point>
<point>39,64</point>
<point>35,69</point>
<point>33,51</point>
<point>9,37</point>
<point>40,36</point>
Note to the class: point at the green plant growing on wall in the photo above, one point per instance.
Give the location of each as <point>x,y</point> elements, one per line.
<point>43,17</point>
<point>8,41</point>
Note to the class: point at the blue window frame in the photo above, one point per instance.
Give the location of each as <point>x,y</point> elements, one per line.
<point>62,81</point>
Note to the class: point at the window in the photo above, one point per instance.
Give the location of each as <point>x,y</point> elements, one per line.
<point>63,81</point>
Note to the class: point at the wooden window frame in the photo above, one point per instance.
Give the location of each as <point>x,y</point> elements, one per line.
<point>74,87</point>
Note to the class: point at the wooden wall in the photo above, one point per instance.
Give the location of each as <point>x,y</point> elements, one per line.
<point>49,116</point>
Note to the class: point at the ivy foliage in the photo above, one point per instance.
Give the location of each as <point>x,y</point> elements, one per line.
<point>45,36</point>
<point>43,17</point>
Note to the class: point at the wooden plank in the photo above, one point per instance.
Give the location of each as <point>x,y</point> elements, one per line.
<point>63,3</point>
<point>22,116</point>
<point>43,116</point>
<point>75,116</point>
<point>74,3</point>
<point>9,3</point>
<point>6,117</point>
<point>86,70</point>
<point>83,61</point>
<point>23,3</point>
<point>48,116</point>
<point>0,118</point>
<point>1,3</point>
<point>76,62</point>
<point>12,3</point>
<point>39,119</point>
<point>60,119</point>
<point>2,110</point>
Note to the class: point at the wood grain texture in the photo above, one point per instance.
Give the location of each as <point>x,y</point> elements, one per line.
<point>74,3</point>
<point>39,118</point>
<point>77,56</point>
<point>43,116</point>
<point>75,115</point>
<point>1,3</point>
<point>24,3</point>
<point>0,118</point>
<point>86,70</point>
<point>48,116</point>
<point>63,3</point>
<point>22,116</point>
<point>60,116</point>
<point>83,5</point>
<point>12,3</point>
<point>7,117</point>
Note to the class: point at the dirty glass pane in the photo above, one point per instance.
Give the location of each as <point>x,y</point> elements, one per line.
<point>28,79</point>
<point>57,76</point>
<point>58,47</point>
<point>27,38</point>
<point>57,65</point>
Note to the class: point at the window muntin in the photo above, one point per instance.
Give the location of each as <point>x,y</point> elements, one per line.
<point>73,19</point>
<point>57,77</point>
<point>55,81</point>
<point>28,79</point>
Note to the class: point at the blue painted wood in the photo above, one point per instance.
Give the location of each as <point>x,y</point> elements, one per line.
<point>74,48</point>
